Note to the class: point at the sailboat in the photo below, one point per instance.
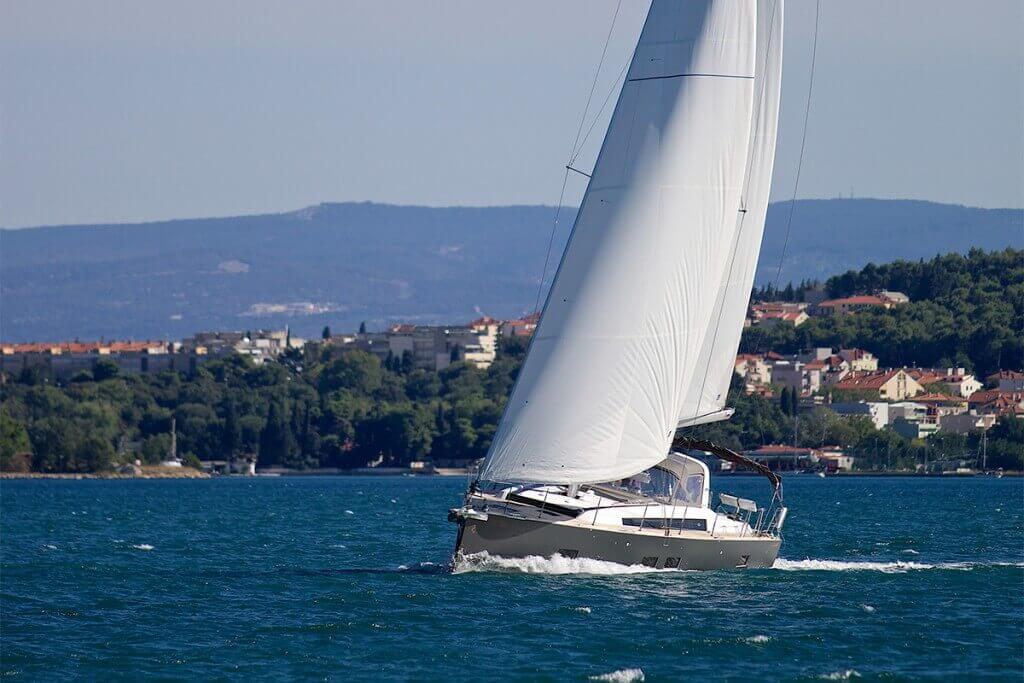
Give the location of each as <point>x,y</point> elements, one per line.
<point>638,335</point>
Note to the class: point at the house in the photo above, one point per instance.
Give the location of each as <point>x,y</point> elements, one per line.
<point>796,375</point>
<point>859,360</point>
<point>817,353</point>
<point>888,384</point>
<point>63,360</point>
<point>770,313</point>
<point>914,429</point>
<point>1006,380</point>
<point>954,380</point>
<point>908,410</point>
<point>754,370</point>
<point>259,345</point>
<point>831,369</point>
<point>876,411</point>
<point>942,405</point>
<point>430,347</point>
<point>520,327</point>
<point>894,298</point>
<point>835,460</point>
<point>851,304</point>
<point>996,402</point>
<point>964,423</point>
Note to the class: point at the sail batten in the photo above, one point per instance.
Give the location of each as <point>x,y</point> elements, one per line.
<point>615,356</point>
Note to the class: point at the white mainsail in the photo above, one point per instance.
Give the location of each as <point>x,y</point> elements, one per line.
<point>615,356</point>
<point>718,356</point>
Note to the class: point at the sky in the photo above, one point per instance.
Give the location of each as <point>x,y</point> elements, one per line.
<point>129,110</point>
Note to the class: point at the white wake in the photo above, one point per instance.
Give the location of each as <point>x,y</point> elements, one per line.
<point>621,676</point>
<point>556,564</point>
<point>897,567</point>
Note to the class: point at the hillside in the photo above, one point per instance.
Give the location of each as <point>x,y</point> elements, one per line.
<point>340,264</point>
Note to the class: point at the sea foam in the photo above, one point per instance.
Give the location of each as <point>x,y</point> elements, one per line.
<point>897,567</point>
<point>621,676</point>
<point>556,564</point>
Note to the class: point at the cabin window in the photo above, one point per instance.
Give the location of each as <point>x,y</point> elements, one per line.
<point>692,490</point>
<point>676,524</point>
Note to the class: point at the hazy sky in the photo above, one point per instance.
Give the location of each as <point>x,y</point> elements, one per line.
<point>130,111</point>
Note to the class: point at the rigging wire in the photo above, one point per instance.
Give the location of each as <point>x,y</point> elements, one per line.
<point>803,143</point>
<point>573,154</point>
<point>800,160</point>
<point>597,116</point>
<point>597,74</point>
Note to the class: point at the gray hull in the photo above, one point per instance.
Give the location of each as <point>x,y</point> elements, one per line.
<point>508,537</point>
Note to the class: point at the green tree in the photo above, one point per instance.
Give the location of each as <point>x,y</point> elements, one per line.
<point>15,446</point>
<point>356,371</point>
<point>104,370</point>
<point>231,432</point>
<point>93,454</point>
<point>277,443</point>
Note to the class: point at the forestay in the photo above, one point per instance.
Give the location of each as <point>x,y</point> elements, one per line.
<point>616,352</point>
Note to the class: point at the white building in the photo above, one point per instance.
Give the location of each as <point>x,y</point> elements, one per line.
<point>876,411</point>
<point>966,422</point>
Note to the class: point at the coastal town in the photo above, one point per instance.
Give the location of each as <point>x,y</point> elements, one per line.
<point>912,402</point>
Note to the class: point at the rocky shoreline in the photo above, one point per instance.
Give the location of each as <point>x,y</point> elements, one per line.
<point>144,472</point>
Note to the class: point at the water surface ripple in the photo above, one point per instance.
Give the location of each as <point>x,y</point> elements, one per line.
<point>346,578</point>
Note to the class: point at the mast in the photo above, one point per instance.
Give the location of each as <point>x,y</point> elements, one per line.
<point>616,351</point>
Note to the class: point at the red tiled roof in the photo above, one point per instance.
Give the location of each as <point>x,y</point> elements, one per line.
<point>1005,374</point>
<point>938,398</point>
<point>990,395</point>
<point>866,380</point>
<point>83,347</point>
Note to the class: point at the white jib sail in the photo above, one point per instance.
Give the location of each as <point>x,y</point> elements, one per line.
<point>718,356</point>
<point>613,358</point>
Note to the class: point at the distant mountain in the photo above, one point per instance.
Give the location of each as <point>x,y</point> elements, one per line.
<point>340,264</point>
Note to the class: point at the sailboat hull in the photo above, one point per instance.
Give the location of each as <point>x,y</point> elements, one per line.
<point>515,538</point>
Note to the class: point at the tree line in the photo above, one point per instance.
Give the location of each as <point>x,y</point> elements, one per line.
<point>332,407</point>
<point>965,311</point>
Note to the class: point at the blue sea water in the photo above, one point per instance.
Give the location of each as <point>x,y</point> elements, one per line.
<point>345,578</point>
